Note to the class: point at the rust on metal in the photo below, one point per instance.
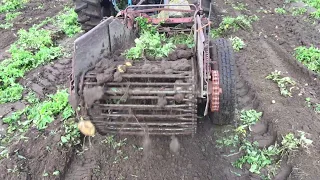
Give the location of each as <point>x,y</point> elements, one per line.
<point>216,91</point>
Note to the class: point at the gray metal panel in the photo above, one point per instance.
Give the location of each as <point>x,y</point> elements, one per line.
<point>89,47</point>
<point>120,36</point>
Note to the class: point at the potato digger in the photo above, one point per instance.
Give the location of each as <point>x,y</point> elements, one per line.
<point>158,96</point>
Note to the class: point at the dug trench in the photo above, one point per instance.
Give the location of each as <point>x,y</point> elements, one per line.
<point>270,46</point>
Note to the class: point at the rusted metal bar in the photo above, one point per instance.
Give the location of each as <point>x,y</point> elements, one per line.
<point>186,110</point>
<point>145,91</point>
<point>149,129</point>
<point>140,84</point>
<point>150,133</point>
<point>126,75</point>
<point>160,116</point>
<point>137,106</point>
<point>150,97</point>
<point>159,9</point>
<point>144,124</point>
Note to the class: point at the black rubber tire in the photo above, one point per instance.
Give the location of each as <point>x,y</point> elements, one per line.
<point>222,52</point>
<point>89,13</point>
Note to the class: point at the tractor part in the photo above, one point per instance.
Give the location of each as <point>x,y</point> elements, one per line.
<point>147,97</point>
<point>91,12</point>
<point>223,97</point>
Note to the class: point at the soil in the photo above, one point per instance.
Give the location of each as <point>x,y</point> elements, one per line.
<point>269,46</point>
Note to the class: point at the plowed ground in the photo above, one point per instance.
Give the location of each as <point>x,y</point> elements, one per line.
<point>269,46</point>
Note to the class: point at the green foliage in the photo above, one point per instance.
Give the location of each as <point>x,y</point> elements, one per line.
<point>33,39</point>
<point>284,83</point>
<point>231,24</point>
<point>71,134</point>
<point>145,26</point>
<point>255,157</point>
<point>11,94</point>
<point>33,48</point>
<point>67,21</point>
<point>239,6</point>
<point>40,114</point>
<point>280,11</point>
<point>11,5</point>
<point>249,117</point>
<point>31,98</point>
<point>298,11</point>
<point>310,57</point>
<point>314,106</point>
<point>237,43</point>
<point>44,113</point>
<point>150,42</point>
<point>229,141</point>
<point>10,16</point>
<point>316,14</point>
<point>183,38</point>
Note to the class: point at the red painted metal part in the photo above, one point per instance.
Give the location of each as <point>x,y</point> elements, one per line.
<point>216,91</point>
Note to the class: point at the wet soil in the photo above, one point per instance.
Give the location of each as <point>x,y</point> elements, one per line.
<point>34,12</point>
<point>269,46</point>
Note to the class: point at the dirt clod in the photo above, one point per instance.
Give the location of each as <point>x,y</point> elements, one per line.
<point>117,77</point>
<point>92,94</point>
<point>172,56</point>
<point>180,65</point>
<point>283,173</point>
<point>174,144</point>
<point>182,46</point>
<point>184,54</point>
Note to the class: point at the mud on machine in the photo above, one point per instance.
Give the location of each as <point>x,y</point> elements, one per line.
<point>160,102</point>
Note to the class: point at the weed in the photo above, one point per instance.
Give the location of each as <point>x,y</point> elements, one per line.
<point>317,108</point>
<point>255,157</point>
<point>71,135</point>
<point>43,113</point>
<point>298,11</point>
<point>308,102</point>
<point>67,21</point>
<point>261,158</point>
<point>4,153</point>
<point>33,48</point>
<point>56,173</point>
<point>14,170</point>
<point>31,98</point>
<point>284,83</point>
<point>239,6</point>
<point>310,57</point>
<point>237,43</point>
<point>10,16</point>
<point>110,140</point>
<point>280,11</point>
<point>230,141</point>
<point>233,24</point>
<point>40,114</point>
<point>150,42</point>
<point>11,5</point>
<point>45,174</point>
<point>10,94</point>
<point>249,117</point>
<point>183,38</point>
<point>316,14</point>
